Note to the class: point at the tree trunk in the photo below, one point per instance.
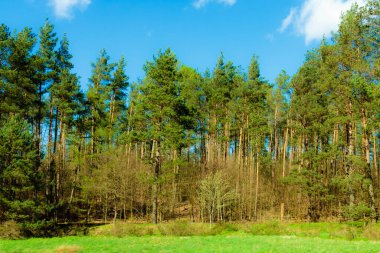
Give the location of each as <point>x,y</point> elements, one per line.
<point>155,183</point>
<point>366,153</point>
<point>350,153</point>
<point>284,152</point>
<point>227,139</point>
<point>257,181</point>
<point>375,165</point>
<point>92,134</point>
<point>49,168</point>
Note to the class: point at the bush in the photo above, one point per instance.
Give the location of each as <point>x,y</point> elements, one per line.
<point>68,249</point>
<point>220,228</point>
<point>269,228</point>
<point>174,228</point>
<point>121,229</point>
<point>40,229</point>
<point>358,212</point>
<point>351,233</point>
<point>10,230</point>
<point>177,228</point>
<point>372,232</point>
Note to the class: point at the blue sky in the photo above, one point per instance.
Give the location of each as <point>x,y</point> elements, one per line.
<point>279,32</point>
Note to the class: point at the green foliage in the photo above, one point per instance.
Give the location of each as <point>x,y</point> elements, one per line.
<point>161,105</point>
<point>227,243</point>
<point>220,145</point>
<point>178,228</point>
<point>372,232</point>
<point>215,196</point>
<point>358,212</point>
<point>10,230</point>
<point>268,228</point>
<point>18,72</point>
<point>18,171</point>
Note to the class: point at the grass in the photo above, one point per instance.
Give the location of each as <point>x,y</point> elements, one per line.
<point>324,230</point>
<point>220,243</point>
<point>194,237</point>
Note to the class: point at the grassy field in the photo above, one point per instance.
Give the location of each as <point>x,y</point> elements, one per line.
<point>193,237</point>
<point>220,243</point>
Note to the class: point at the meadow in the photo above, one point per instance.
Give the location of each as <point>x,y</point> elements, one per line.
<point>193,237</point>
<point>219,243</point>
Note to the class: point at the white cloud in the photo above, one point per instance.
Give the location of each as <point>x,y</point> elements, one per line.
<point>201,3</point>
<point>288,20</point>
<point>64,8</point>
<point>316,18</point>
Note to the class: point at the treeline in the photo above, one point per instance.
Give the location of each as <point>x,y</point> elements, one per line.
<point>224,145</point>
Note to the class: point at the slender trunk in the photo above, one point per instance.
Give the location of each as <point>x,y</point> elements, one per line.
<point>208,148</point>
<point>39,120</point>
<point>284,152</point>
<point>239,161</point>
<point>112,112</point>
<point>300,153</point>
<point>155,183</point>
<point>366,153</point>
<point>77,170</point>
<point>142,151</point>
<point>350,143</point>
<point>227,138</point>
<point>375,166</point>
<point>291,150</point>
<point>257,187</point>
<point>240,147</point>
<point>49,154</point>
<point>55,130</point>
<point>203,144</point>
<point>175,180</point>
<point>251,179</point>
<point>115,212</point>
<point>61,157</point>
<point>92,134</point>
<point>50,134</point>
<point>257,179</point>
<point>106,208</point>
<point>283,171</point>
<point>275,150</point>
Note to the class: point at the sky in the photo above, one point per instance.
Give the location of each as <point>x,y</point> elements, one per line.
<point>279,32</point>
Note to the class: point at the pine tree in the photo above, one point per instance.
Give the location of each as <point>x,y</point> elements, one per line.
<point>18,75</point>
<point>19,177</point>
<point>45,60</point>
<point>98,95</point>
<point>4,55</point>
<point>162,109</point>
<point>118,93</point>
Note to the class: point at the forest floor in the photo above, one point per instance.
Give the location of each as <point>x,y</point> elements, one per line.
<point>190,237</point>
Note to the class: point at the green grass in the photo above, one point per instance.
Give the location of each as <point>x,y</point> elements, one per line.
<point>324,230</point>
<point>182,236</point>
<point>238,242</point>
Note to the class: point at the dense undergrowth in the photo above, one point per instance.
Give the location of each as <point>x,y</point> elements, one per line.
<point>326,230</point>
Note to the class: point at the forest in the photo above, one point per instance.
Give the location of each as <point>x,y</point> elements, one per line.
<point>223,145</point>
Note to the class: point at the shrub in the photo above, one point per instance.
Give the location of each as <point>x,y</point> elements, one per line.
<point>40,229</point>
<point>68,249</point>
<point>372,232</point>
<point>351,233</point>
<point>220,228</point>
<point>120,230</point>
<point>10,230</point>
<point>358,212</point>
<point>268,228</point>
<point>177,228</point>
